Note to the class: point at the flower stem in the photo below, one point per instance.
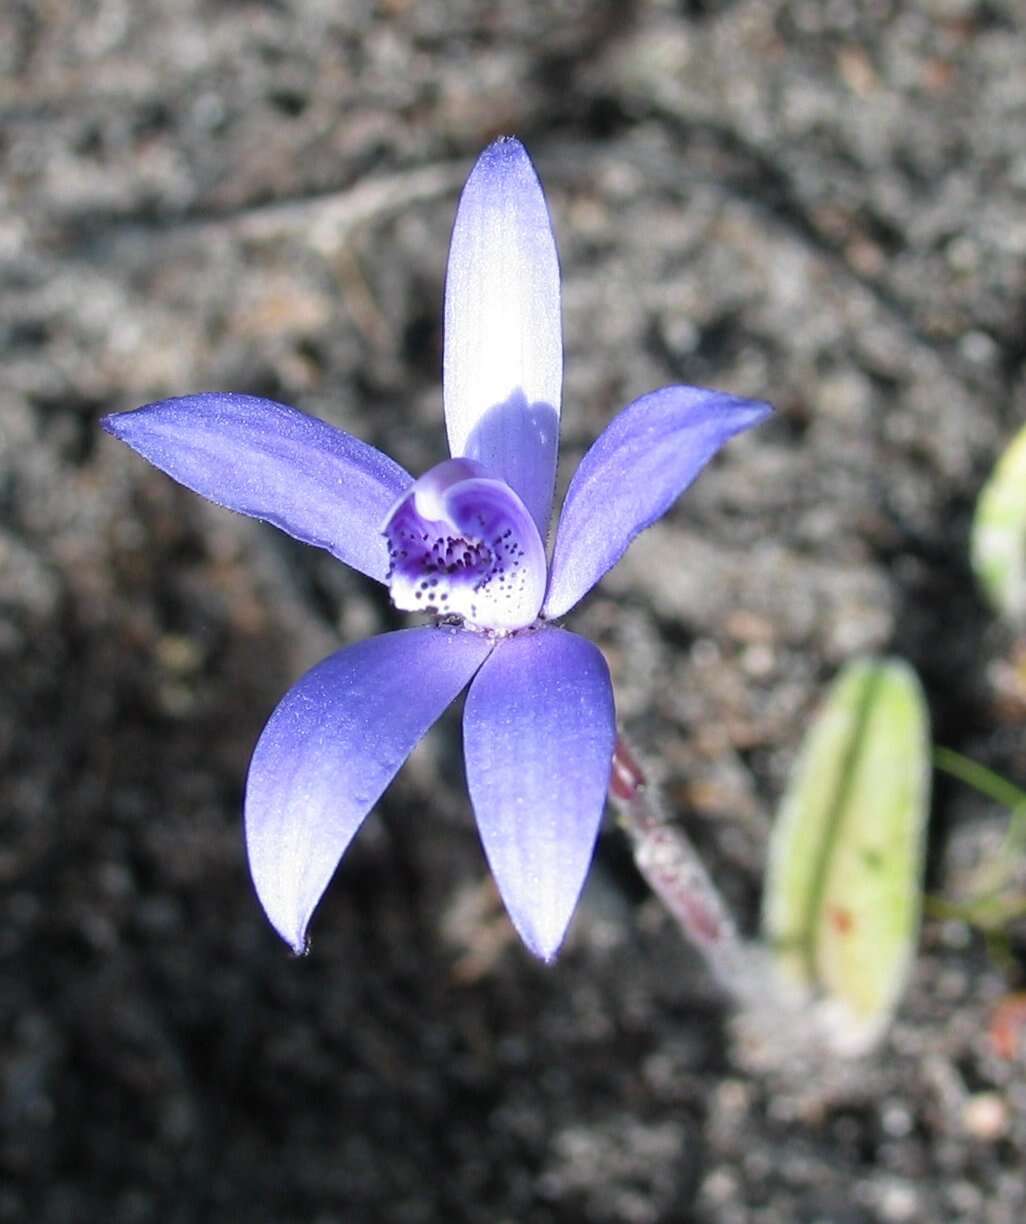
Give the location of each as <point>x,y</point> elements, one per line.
<point>670,864</point>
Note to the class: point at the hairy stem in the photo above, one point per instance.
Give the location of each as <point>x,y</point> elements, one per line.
<point>674,872</point>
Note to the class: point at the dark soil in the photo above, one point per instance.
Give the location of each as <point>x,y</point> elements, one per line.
<point>818,203</point>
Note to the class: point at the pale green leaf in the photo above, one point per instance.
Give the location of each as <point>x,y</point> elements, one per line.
<point>843,887</point>
<point>997,543</point>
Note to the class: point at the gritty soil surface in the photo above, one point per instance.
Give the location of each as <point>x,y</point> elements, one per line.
<point>818,203</point>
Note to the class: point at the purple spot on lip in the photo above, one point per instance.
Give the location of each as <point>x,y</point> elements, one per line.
<point>465,536</point>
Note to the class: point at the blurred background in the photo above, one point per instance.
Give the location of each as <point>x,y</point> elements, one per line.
<point>817,202</point>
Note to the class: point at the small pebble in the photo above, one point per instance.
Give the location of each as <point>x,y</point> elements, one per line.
<point>985,1116</point>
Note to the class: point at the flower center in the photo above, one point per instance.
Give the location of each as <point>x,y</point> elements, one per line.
<point>462,542</point>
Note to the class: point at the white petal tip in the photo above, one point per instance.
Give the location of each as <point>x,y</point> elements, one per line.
<point>292,933</point>
<point>300,946</point>
<point>505,167</point>
<point>503,150</point>
<point>545,944</point>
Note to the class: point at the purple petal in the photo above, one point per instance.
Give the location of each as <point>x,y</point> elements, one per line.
<point>503,340</point>
<point>539,732</point>
<point>334,743</point>
<point>642,462</point>
<point>463,543</point>
<point>274,463</point>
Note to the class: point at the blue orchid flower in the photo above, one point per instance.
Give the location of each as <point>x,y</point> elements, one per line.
<point>465,542</point>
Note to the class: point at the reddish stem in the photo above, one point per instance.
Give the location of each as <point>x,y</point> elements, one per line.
<point>668,861</point>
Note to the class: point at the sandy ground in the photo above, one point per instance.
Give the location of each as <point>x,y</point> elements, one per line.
<point>822,204</point>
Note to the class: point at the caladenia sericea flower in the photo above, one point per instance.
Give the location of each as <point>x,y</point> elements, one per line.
<point>466,542</point>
